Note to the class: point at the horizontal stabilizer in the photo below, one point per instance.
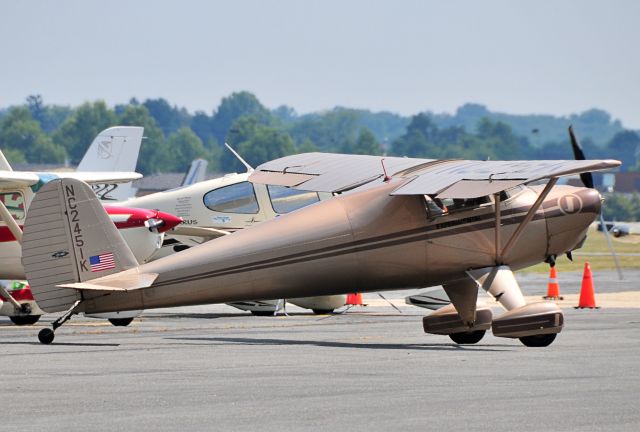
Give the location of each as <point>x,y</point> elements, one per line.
<point>124,281</point>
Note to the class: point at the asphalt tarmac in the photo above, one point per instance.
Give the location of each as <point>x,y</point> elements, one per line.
<point>370,369</point>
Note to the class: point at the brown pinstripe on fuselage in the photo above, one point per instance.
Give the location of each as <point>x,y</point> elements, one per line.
<point>364,241</point>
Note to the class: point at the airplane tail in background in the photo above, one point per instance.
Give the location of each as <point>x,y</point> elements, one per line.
<point>196,173</point>
<point>114,149</point>
<point>69,238</point>
<point>4,163</point>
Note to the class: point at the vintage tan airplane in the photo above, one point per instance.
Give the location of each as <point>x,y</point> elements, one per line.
<point>405,223</point>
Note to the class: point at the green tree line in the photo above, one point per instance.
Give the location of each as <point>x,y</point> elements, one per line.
<point>37,132</point>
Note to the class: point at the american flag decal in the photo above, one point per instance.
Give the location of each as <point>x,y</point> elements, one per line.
<point>102,262</point>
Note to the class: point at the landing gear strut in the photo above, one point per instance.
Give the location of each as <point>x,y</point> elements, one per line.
<point>46,335</point>
<point>534,324</point>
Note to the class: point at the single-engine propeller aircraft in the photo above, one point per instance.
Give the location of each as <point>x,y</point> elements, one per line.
<point>411,222</point>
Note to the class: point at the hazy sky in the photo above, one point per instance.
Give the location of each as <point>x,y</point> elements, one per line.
<point>555,57</point>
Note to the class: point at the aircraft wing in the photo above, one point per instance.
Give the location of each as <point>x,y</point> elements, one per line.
<point>17,179</point>
<point>472,179</point>
<point>100,177</point>
<point>326,172</point>
<point>329,172</point>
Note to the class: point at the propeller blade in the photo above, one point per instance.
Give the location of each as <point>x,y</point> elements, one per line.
<point>578,154</point>
<point>587,179</point>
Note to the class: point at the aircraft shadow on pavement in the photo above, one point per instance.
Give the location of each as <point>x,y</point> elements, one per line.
<point>194,315</point>
<point>235,315</point>
<point>329,344</point>
<point>55,344</point>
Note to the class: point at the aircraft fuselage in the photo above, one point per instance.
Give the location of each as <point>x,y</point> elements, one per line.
<point>362,241</point>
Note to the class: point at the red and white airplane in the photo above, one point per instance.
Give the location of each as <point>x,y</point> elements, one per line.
<point>113,149</point>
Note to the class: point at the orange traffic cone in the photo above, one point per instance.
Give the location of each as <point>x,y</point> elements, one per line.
<point>587,293</point>
<point>354,299</point>
<point>553,289</point>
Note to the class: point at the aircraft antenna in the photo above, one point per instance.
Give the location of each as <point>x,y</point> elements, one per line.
<point>244,162</point>
<point>384,170</point>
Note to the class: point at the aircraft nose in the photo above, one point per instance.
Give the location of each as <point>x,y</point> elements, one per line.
<point>591,201</point>
<point>583,201</point>
<point>573,211</point>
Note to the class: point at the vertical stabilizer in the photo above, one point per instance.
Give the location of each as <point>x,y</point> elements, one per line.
<point>114,149</point>
<point>196,173</point>
<point>69,238</point>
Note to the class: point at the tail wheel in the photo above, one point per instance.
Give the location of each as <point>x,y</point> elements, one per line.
<point>120,322</point>
<point>22,320</point>
<point>46,335</point>
<point>538,340</point>
<point>467,338</point>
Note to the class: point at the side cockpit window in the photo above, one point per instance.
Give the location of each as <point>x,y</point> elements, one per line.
<point>14,202</point>
<point>435,206</point>
<point>285,200</point>
<point>506,194</point>
<point>442,206</point>
<point>236,198</point>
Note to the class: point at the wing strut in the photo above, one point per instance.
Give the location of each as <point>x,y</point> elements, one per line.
<point>532,211</point>
<point>13,226</point>
<point>498,212</point>
<point>7,295</point>
<point>11,222</point>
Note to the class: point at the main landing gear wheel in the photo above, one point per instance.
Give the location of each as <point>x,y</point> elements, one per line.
<point>22,320</point>
<point>538,340</point>
<point>46,336</point>
<point>467,338</point>
<point>120,322</point>
<point>322,311</point>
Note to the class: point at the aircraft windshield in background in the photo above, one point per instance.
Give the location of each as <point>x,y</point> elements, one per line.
<point>384,235</point>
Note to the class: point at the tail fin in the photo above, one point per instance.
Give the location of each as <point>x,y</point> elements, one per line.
<point>69,238</point>
<point>196,172</point>
<point>114,149</point>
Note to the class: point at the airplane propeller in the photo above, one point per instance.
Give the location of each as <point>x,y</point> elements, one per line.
<point>587,180</point>
<point>578,154</point>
